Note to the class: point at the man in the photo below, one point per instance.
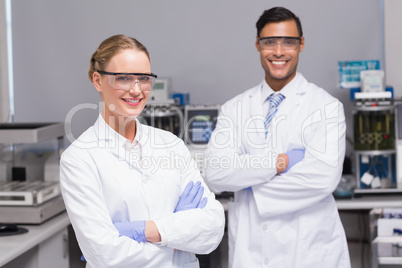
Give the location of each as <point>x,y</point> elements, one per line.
<point>283,214</point>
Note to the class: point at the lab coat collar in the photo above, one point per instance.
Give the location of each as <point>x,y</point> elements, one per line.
<point>259,94</point>
<point>115,142</point>
<point>290,89</point>
<point>294,87</point>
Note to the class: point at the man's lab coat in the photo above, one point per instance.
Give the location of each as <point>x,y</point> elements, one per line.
<point>288,219</point>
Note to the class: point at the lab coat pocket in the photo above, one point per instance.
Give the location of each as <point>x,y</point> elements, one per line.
<point>194,264</point>
<point>320,232</point>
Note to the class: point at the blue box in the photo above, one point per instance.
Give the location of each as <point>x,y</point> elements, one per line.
<point>181,98</point>
<point>349,71</point>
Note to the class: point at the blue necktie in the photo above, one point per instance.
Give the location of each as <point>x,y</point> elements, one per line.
<point>274,101</point>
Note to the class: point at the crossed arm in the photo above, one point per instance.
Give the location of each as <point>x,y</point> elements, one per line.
<point>147,231</point>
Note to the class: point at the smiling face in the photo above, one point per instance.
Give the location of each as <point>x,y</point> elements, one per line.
<point>279,65</point>
<point>121,105</point>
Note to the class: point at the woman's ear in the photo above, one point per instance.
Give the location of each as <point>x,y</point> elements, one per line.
<point>96,80</point>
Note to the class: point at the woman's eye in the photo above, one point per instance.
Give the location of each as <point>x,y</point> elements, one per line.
<point>124,78</point>
<point>144,78</point>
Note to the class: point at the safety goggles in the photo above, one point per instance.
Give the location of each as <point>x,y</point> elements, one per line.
<point>286,42</point>
<point>125,81</point>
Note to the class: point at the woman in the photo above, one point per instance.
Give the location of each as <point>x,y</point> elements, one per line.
<point>132,192</point>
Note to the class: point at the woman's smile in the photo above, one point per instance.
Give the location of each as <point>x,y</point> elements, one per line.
<point>132,101</point>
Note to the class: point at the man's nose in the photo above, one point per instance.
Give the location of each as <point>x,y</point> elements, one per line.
<point>278,49</point>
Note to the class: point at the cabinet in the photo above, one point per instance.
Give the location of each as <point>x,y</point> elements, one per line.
<point>387,245</point>
<point>48,254</point>
<point>44,246</point>
<point>385,253</point>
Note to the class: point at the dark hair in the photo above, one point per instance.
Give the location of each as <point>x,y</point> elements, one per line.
<point>277,14</point>
<point>110,47</point>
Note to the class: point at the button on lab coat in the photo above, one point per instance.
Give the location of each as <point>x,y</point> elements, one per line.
<point>289,219</point>
<point>106,179</point>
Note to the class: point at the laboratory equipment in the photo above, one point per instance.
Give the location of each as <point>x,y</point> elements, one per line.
<point>374,121</point>
<point>398,105</point>
<point>200,121</point>
<point>374,128</point>
<point>164,116</point>
<point>11,229</point>
<point>24,193</point>
<point>161,111</point>
<point>346,186</point>
<point>160,91</point>
<point>349,72</point>
<point>181,98</point>
<point>372,81</point>
<point>387,246</point>
<point>30,132</point>
<point>30,201</point>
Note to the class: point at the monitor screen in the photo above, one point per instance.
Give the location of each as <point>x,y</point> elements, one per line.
<point>200,124</point>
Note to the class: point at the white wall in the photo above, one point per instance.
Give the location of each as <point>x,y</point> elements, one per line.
<point>206,47</point>
<point>4,94</point>
<point>393,42</point>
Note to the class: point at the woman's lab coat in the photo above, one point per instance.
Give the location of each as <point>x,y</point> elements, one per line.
<point>291,219</point>
<point>106,179</point>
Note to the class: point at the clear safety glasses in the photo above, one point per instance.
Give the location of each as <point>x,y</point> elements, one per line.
<point>286,42</point>
<point>125,81</point>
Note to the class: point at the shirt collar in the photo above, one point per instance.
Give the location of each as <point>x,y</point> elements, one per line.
<point>287,90</point>
<point>266,91</point>
<point>107,134</point>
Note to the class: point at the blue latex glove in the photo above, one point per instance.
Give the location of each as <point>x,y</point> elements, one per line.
<point>295,156</point>
<point>191,197</point>
<point>132,229</point>
<point>203,202</point>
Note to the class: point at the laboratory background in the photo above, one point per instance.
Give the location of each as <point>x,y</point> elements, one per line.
<point>204,54</point>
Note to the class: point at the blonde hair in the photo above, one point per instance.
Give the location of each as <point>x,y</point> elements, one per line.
<point>110,47</point>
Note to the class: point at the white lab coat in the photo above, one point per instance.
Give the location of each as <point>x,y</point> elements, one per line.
<point>106,179</point>
<point>291,219</point>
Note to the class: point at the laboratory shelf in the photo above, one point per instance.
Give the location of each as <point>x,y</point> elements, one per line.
<point>384,252</point>
<point>370,202</point>
<point>30,132</point>
<point>375,152</point>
